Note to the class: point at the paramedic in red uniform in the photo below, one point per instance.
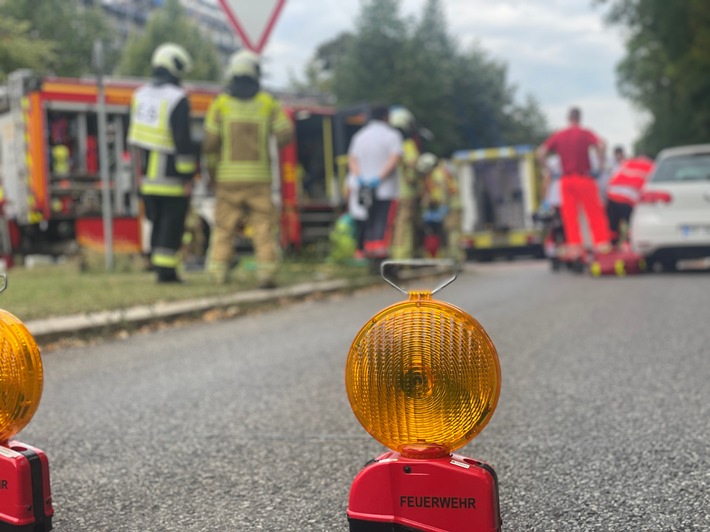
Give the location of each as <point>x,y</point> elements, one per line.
<point>577,186</point>
<point>623,192</point>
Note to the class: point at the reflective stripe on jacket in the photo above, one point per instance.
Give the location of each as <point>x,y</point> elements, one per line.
<point>409,181</point>
<point>238,132</point>
<point>625,185</point>
<point>167,167</point>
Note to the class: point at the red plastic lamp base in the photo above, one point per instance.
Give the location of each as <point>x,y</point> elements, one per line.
<point>25,497</point>
<point>450,494</point>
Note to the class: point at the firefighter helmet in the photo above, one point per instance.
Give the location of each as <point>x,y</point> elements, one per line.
<point>401,118</point>
<point>426,163</point>
<point>244,63</point>
<point>173,58</point>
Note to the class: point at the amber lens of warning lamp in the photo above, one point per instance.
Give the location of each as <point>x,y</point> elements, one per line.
<point>20,376</point>
<point>423,377</point>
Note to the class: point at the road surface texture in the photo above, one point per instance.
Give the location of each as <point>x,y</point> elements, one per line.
<point>603,423</point>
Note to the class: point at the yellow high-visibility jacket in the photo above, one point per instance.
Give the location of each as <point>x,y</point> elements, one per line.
<point>160,128</point>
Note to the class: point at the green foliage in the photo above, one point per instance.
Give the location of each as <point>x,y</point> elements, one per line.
<point>64,25</point>
<point>171,24</point>
<point>666,70</point>
<point>462,96</point>
<point>19,49</point>
<point>377,58</point>
<point>67,288</point>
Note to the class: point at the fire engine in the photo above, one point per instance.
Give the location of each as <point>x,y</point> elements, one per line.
<point>49,164</point>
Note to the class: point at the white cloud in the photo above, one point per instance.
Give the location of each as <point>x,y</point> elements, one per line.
<point>560,51</point>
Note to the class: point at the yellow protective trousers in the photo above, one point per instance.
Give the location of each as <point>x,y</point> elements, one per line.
<point>251,204</point>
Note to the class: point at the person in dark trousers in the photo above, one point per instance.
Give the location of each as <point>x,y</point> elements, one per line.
<point>623,192</point>
<point>159,134</point>
<point>373,156</point>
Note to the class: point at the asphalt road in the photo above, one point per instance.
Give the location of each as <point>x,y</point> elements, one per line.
<point>603,421</point>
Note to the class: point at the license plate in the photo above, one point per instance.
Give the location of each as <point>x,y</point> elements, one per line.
<point>695,230</point>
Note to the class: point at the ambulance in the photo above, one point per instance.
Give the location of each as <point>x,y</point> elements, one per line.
<point>500,192</point>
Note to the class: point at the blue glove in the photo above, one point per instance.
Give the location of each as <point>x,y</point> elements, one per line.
<point>372,182</point>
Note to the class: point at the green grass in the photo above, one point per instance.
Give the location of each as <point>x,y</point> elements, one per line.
<point>67,288</point>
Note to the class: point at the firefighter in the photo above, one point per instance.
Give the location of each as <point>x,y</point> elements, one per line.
<point>408,226</point>
<point>623,191</point>
<point>160,135</point>
<point>238,127</point>
<point>441,206</point>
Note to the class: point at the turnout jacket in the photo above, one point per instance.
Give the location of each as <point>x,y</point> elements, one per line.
<point>237,133</point>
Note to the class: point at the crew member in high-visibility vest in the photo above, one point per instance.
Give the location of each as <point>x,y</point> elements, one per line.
<point>623,191</point>
<point>408,225</point>
<point>238,127</point>
<point>441,206</point>
<point>160,134</point>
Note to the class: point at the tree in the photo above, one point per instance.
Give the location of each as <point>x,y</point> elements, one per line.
<point>19,49</point>
<point>68,24</point>
<point>376,60</point>
<point>170,24</point>
<point>666,70</point>
<point>463,97</point>
<point>432,77</point>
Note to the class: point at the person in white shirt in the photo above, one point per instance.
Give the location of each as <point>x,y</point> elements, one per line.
<point>358,210</point>
<point>375,152</point>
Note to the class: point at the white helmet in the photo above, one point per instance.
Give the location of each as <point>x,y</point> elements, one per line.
<point>244,63</point>
<point>426,163</point>
<point>401,118</point>
<point>172,57</point>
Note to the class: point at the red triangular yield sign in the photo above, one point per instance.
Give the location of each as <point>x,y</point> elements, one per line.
<point>253,20</point>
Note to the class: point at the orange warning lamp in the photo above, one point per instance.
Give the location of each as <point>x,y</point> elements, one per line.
<point>25,500</point>
<point>20,376</point>
<point>423,378</point>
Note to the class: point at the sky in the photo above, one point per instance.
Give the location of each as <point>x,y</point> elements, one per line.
<point>560,51</point>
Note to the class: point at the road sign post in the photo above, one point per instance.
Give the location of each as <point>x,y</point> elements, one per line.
<point>253,21</point>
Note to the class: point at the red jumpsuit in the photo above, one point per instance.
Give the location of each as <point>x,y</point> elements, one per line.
<point>578,187</point>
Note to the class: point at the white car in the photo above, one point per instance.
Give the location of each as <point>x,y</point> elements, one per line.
<point>671,221</point>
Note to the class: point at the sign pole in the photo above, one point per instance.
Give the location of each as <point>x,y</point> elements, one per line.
<point>103,154</point>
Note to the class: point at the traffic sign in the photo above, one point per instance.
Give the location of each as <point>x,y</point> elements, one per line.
<point>253,20</point>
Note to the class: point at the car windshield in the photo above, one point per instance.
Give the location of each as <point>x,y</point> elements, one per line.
<point>683,168</point>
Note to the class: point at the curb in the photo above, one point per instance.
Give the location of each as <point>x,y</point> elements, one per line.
<point>50,329</point>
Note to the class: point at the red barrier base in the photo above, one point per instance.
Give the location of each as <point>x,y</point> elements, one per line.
<point>25,497</point>
<point>450,494</point>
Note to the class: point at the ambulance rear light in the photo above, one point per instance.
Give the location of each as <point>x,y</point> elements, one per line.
<point>652,197</point>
